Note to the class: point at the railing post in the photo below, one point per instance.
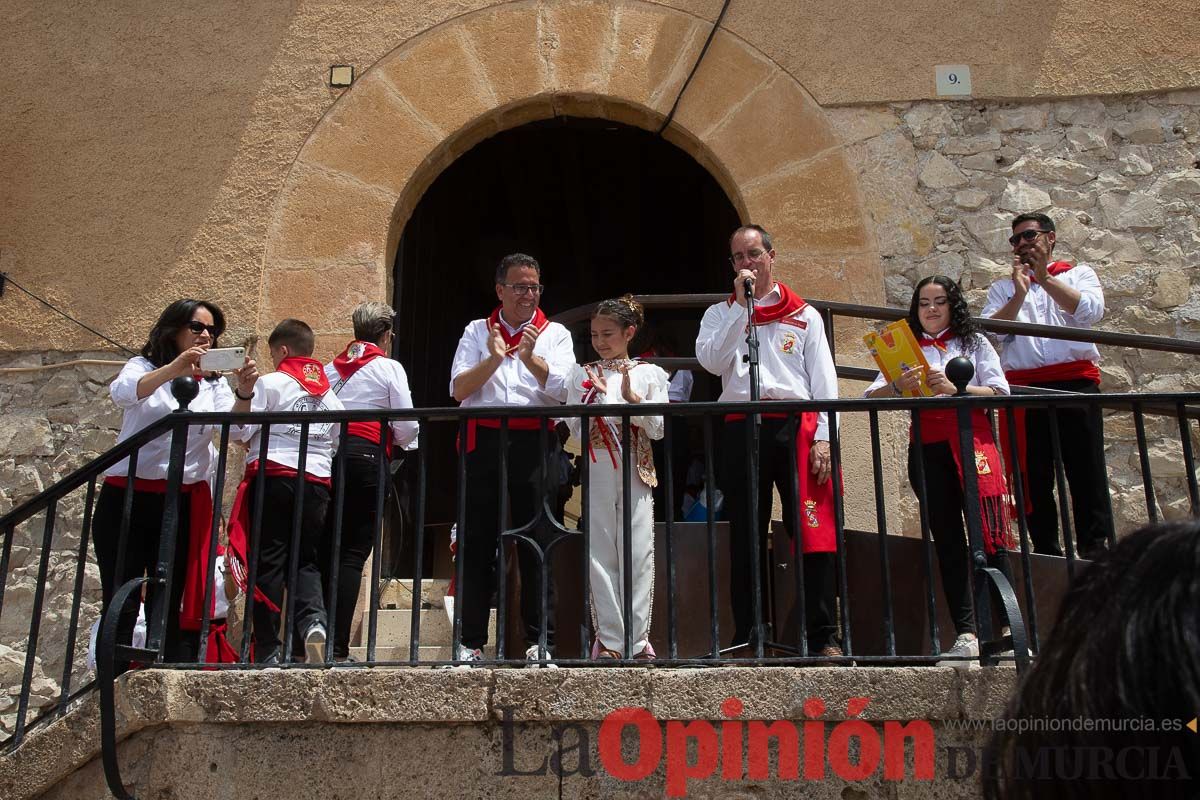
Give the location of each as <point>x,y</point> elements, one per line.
<point>185,390</point>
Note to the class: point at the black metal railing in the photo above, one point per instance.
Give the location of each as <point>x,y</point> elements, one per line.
<point>867,611</point>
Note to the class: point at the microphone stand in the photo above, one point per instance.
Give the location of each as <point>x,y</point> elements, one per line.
<point>756,637</point>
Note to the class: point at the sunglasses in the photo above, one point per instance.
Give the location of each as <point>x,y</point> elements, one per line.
<point>197,327</point>
<point>1025,236</point>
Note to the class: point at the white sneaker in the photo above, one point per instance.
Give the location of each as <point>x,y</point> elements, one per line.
<point>314,644</point>
<point>533,662</point>
<point>966,646</point>
<point>467,655</point>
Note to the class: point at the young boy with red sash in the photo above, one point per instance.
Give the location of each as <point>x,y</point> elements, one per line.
<point>794,364</point>
<point>298,384</point>
<point>513,358</point>
<point>1049,292</point>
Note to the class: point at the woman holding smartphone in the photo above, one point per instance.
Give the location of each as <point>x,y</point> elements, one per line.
<point>939,318</point>
<point>185,330</point>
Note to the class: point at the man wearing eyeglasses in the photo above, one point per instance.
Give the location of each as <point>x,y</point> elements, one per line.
<point>1049,292</point>
<point>794,364</point>
<point>513,358</point>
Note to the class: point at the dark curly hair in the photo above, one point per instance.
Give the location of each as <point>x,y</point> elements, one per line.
<point>160,348</point>
<point>962,324</point>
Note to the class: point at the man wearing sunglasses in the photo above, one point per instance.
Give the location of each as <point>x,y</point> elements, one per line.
<point>1048,292</point>
<point>513,358</point>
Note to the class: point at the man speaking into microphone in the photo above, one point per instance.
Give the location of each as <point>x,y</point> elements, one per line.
<point>794,364</point>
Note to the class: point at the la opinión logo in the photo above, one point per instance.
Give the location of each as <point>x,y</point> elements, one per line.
<point>736,749</point>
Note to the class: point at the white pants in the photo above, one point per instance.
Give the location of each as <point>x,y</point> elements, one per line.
<point>608,556</point>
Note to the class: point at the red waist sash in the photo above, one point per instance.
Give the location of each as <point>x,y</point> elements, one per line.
<point>1050,373</point>
<point>818,526</point>
<point>199,530</point>
<point>942,426</point>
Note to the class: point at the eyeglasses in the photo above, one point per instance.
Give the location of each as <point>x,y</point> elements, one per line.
<point>1025,236</point>
<point>197,327</point>
<point>525,288</point>
<point>749,255</point>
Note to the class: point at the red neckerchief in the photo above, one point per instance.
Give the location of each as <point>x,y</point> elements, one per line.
<point>356,356</point>
<point>938,341</point>
<point>789,303</point>
<point>308,372</point>
<point>1056,268</point>
<point>538,322</point>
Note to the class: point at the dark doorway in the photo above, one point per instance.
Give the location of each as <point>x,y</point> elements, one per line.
<point>605,208</point>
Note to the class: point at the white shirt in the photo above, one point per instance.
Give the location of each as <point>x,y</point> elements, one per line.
<point>512,384</point>
<point>1027,352</point>
<point>154,457</point>
<point>380,383</point>
<point>649,382</point>
<point>794,360</point>
<point>680,390</point>
<point>988,371</point>
<point>280,392</point>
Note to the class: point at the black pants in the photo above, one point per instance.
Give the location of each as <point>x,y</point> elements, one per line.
<point>358,535</point>
<point>1081,437</point>
<point>944,509</point>
<point>141,558</point>
<point>532,483</point>
<point>775,469</point>
<point>274,554</point>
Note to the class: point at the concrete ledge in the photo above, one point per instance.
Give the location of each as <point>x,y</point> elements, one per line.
<point>536,700</point>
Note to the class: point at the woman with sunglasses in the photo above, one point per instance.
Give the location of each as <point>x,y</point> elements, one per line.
<point>185,330</point>
<point>939,318</point>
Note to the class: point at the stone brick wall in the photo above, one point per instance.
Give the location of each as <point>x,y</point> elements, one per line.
<point>55,416</point>
<point>1121,178</point>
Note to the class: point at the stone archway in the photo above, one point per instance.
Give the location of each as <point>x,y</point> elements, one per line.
<point>368,161</point>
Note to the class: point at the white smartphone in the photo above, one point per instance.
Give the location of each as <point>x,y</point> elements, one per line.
<point>223,359</point>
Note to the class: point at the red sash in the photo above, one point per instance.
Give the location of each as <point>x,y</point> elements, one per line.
<point>940,341</point>
<point>199,529</point>
<point>239,520</point>
<point>789,303</point>
<point>308,372</point>
<point>511,341</point>
<point>1050,373</point>
<point>942,426</point>
<point>356,356</point>
<point>818,527</point>
<point>515,424</point>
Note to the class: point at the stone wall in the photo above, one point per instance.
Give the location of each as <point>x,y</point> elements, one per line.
<point>55,416</point>
<point>1121,178</point>
<point>384,733</point>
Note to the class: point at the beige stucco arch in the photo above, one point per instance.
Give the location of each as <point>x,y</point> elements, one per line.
<point>367,163</point>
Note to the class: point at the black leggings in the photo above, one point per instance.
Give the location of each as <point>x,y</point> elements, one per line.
<point>141,558</point>
<point>358,535</point>
<point>943,491</point>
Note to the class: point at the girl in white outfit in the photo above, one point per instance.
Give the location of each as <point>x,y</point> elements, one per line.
<point>616,378</point>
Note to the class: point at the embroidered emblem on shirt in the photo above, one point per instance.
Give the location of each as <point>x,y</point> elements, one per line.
<point>981,463</point>
<point>810,514</point>
<point>787,342</point>
<point>312,373</point>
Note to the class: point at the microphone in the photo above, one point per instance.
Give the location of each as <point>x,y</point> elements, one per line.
<point>748,286</point>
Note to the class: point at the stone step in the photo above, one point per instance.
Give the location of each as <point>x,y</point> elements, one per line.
<point>393,627</point>
<point>400,653</point>
<point>398,593</point>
